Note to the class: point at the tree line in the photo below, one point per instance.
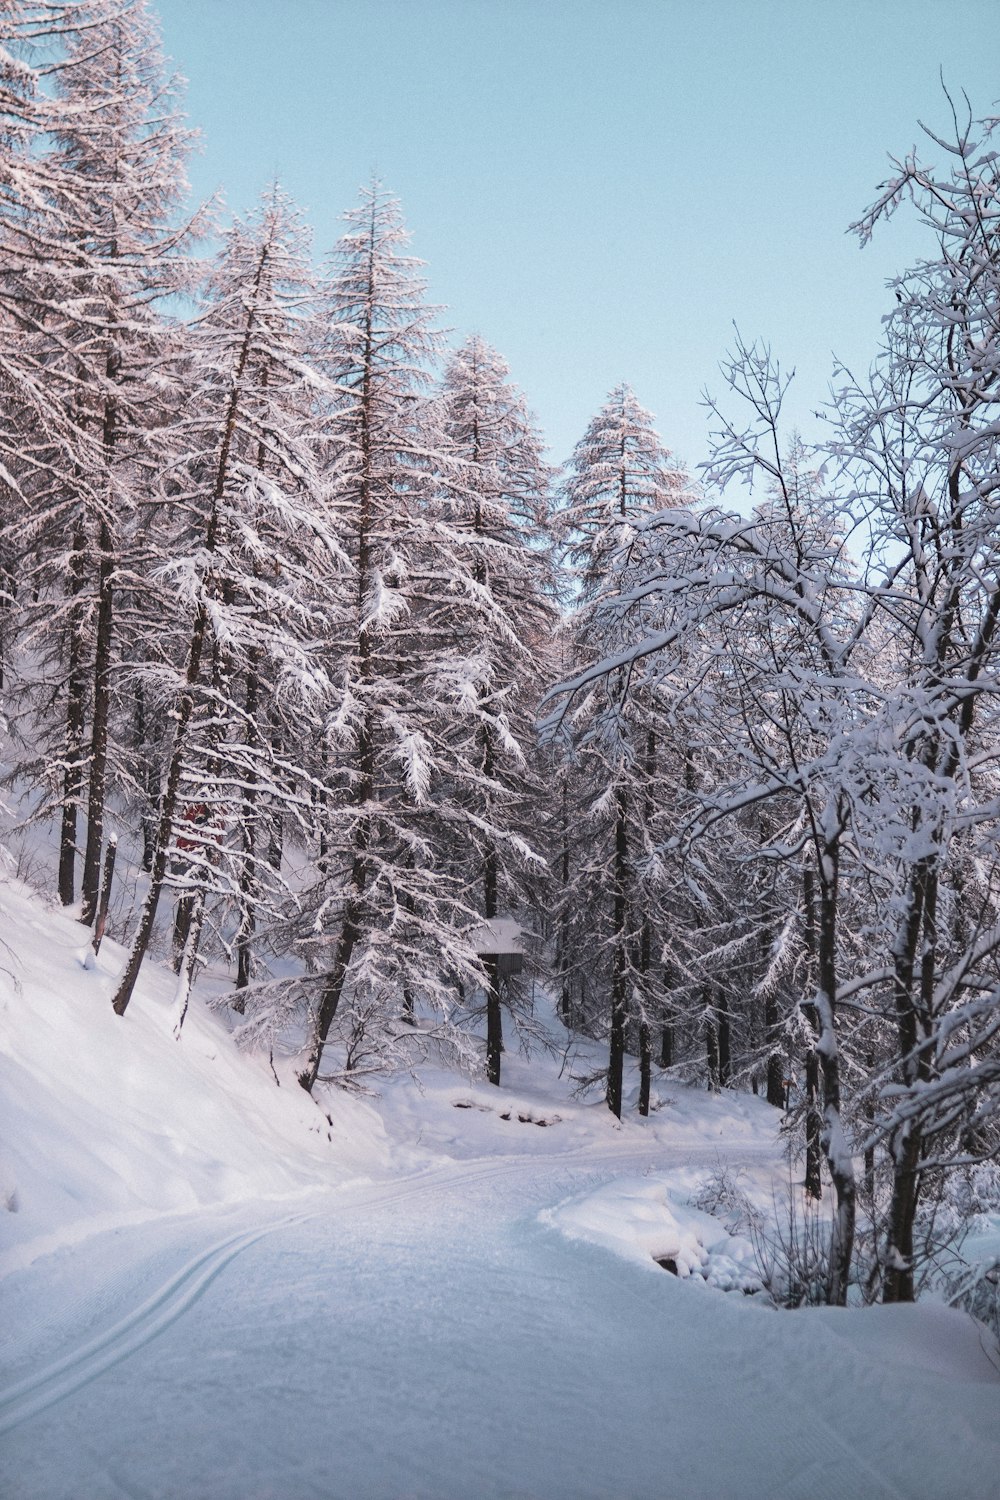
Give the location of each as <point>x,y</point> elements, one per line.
<point>284,580</point>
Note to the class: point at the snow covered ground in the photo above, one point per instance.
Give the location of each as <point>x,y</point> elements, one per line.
<point>214,1288</point>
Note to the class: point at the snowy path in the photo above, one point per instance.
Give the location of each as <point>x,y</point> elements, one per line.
<point>429,1337</point>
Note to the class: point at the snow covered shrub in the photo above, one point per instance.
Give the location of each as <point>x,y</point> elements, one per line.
<point>965,1268</point>
<point>793,1250</point>
<point>724,1198</point>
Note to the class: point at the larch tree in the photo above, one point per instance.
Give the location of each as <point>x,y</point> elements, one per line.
<point>106,249</point>
<point>619,476</point>
<point>248,568</point>
<point>491,606</point>
<point>385,919</point>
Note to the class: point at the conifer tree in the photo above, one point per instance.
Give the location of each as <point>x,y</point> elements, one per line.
<point>494,615</point>
<point>101,248</point>
<point>249,571</point>
<point>386,912</point>
<point>619,476</point>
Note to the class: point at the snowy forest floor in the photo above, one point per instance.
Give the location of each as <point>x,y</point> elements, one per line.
<point>214,1289</point>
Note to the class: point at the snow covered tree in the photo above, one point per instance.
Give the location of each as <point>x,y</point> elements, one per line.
<point>859,708</point>
<point>101,246</point>
<point>920,438</point>
<point>493,615</point>
<point>386,916</point>
<point>249,569</point>
<point>783,735</point>
<point>619,476</point>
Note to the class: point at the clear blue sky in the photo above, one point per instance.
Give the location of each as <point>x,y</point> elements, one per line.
<point>600,187</point>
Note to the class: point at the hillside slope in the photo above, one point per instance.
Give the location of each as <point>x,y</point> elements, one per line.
<point>107,1120</point>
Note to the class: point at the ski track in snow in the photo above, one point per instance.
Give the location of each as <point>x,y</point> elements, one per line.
<point>178,1294</point>
<point>164,1307</point>
<point>350,1239</point>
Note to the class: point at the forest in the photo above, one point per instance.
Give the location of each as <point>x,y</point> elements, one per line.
<point>312,665</point>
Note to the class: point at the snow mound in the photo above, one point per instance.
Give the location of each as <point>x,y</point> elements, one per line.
<point>636,1217</point>
<point>110,1120</point>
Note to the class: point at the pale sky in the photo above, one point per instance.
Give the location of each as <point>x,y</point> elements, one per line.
<point>600,188</point>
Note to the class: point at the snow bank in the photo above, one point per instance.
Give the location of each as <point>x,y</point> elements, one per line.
<point>108,1120</point>
<point>636,1217</point>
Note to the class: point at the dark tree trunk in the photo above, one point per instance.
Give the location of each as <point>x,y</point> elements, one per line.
<point>182,926</point>
<point>666,1045</point>
<point>75,697</point>
<point>645,1035</point>
<point>645,1066</point>
<point>616,1060</point>
<point>494,1025</point>
<point>189,956</point>
<point>147,777</point>
<point>775,1058</point>
<point>248,834</point>
<point>918,933</point>
<point>199,633</point>
<point>168,808</point>
<point>870,1150</point>
<point>725,1047</point>
<point>838,1157</point>
<point>491,878</point>
<point>667,1025</point>
<point>333,989</point>
<point>364,787</point>
<point>774,1080</point>
<point>8,598</point>
<point>814,1128</point>
<point>106,879</point>
<point>712,1051</point>
<point>898,1280</point>
<point>814,1118</point>
<point>97,790</point>
<point>563,960</point>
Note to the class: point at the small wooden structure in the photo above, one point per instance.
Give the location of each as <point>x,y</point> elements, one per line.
<point>499,938</point>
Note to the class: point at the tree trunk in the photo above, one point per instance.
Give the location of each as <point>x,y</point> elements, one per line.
<point>712,1050</point>
<point>199,631</point>
<point>616,1060</point>
<point>725,1048</point>
<point>491,877</point>
<point>188,959</point>
<point>563,954</point>
<point>106,879</point>
<point>99,730</point>
<point>918,932</point>
<point>334,986</point>
<point>667,1025</point>
<point>645,1066</point>
<point>75,696</point>
<point>168,807</point>
<point>248,834</point>
<point>364,787</point>
<point>147,777</point>
<point>775,1066</point>
<point>814,1119</point>
<point>833,1139</point>
<point>775,1055</point>
<point>814,1128</point>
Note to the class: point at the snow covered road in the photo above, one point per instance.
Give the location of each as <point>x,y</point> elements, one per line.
<point>212,1290</point>
<point>432,1337</point>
